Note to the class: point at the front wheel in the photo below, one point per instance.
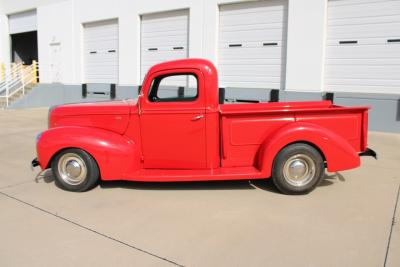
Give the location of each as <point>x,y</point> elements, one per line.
<point>297,169</point>
<point>75,170</point>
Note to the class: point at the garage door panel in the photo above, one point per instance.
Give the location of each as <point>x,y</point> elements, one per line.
<point>250,84</point>
<point>111,38</point>
<point>254,27</point>
<point>101,77</point>
<point>101,30</point>
<point>151,35</point>
<point>104,46</point>
<point>251,8</point>
<point>364,31</point>
<point>251,53</point>
<point>101,52</point>
<point>335,3</point>
<point>251,19</point>
<point>257,44</point>
<point>362,41</point>
<point>162,41</point>
<point>150,55</point>
<point>255,78</point>
<point>365,82</point>
<point>363,61</point>
<point>254,35</point>
<point>246,61</point>
<point>364,20</point>
<point>364,71</point>
<point>377,8</point>
<point>95,68</point>
<point>363,51</point>
<point>169,25</point>
<point>22,22</point>
<point>164,37</point>
<point>164,16</point>
<point>252,44</point>
<point>251,70</point>
<point>108,62</point>
<point>361,88</point>
<point>372,64</point>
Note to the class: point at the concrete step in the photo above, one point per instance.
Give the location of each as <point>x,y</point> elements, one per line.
<point>16,96</point>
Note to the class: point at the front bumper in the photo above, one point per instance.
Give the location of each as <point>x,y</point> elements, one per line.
<point>368,152</point>
<point>35,163</point>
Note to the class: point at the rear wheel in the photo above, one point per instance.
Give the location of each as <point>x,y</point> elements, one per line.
<point>75,170</point>
<point>297,169</point>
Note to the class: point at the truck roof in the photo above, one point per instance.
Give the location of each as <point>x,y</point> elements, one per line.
<point>205,66</point>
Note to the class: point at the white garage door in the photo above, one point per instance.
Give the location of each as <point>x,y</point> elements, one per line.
<point>164,36</point>
<point>101,52</point>
<point>22,22</point>
<point>252,44</point>
<point>363,46</point>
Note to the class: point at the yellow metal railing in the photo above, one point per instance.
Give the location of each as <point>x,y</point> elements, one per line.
<point>34,71</point>
<point>16,77</point>
<point>2,72</point>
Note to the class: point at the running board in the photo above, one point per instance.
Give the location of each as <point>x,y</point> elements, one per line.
<point>163,175</point>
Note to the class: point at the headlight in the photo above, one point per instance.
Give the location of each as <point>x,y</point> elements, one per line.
<point>49,114</point>
<point>38,137</point>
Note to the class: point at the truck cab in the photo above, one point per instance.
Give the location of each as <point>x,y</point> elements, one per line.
<point>177,130</point>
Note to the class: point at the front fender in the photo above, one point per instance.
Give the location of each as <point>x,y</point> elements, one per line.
<point>338,153</point>
<point>115,154</point>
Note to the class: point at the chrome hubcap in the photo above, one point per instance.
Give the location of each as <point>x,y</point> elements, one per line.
<point>72,169</point>
<point>299,170</point>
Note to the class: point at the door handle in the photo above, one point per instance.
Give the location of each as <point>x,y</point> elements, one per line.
<point>198,117</point>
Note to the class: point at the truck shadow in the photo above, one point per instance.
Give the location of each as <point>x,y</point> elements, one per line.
<point>203,185</point>
<point>263,184</point>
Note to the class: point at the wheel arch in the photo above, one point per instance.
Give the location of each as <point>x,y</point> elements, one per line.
<point>114,154</point>
<point>337,153</point>
<point>66,148</point>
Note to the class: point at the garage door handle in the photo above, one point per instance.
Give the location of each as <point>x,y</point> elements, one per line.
<point>152,49</point>
<point>269,44</point>
<point>93,52</point>
<point>198,117</point>
<point>348,42</point>
<point>178,47</point>
<point>235,45</point>
<point>111,51</point>
<point>393,40</point>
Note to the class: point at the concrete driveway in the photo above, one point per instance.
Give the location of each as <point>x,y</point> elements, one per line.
<point>346,221</point>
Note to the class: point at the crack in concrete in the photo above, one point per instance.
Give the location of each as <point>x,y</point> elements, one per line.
<point>90,229</point>
<point>17,184</point>
<point>391,227</point>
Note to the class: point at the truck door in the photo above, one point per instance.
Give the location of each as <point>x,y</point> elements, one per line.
<point>172,120</point>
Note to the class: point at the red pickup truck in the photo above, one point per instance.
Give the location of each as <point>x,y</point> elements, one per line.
<point>178,131</point>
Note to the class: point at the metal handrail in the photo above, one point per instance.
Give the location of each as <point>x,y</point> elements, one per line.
<point>16,80</point>
<point>13,75</point>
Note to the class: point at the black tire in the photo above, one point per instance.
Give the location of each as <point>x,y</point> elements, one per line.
<point>297,169</point>
<point>75,170</point>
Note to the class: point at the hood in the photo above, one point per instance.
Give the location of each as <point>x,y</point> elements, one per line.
<point>110,115</point>
<point>95,108</point>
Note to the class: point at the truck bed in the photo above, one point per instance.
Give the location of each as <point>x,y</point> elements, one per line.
<point>245,126</point>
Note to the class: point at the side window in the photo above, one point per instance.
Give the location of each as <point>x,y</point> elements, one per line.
<point>174,88</point>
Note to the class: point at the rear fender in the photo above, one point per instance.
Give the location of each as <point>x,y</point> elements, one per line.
<point>115,154</point>
<point>338,153</point>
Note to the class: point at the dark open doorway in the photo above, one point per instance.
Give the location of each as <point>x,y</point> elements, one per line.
<point>24,47</point>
